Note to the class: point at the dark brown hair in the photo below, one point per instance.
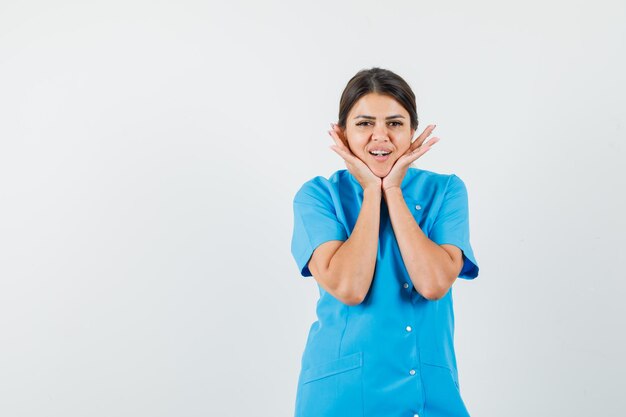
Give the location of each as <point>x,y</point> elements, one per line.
<point>381,81</point>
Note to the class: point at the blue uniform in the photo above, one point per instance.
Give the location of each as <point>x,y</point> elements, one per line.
<point>393,354</point>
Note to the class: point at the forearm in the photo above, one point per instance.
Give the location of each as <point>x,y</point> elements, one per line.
<point>355,261</point>
<point>429,266</point>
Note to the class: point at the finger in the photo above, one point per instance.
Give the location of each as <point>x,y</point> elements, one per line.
<point>339,142</point>
<point>339,152</point>
<point>418,142</point>
<point>416,153</point>
<point>350,159</point>
<point>342,153</point>
<point>422,137</point>
<point>340,134</point>
<point>430,142</point>
<point>335,139</point>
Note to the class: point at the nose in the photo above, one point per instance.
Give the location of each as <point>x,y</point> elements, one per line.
<point>380,133</point>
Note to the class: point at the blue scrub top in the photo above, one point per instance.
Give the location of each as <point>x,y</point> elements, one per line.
<point>393,354</point>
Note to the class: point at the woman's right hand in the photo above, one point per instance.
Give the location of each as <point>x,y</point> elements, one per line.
<point>356,166</point>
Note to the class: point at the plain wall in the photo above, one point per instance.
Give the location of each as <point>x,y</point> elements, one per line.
<point>150,152</point>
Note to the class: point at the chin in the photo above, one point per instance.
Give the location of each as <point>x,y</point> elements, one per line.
<point>380,172</point>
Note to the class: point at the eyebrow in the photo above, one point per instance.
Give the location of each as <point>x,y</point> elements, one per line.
<point>364,116</point>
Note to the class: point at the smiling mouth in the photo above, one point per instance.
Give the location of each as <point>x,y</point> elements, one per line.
<point>380,156</point>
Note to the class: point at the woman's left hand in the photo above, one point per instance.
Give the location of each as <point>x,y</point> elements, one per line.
<point>400,167</point>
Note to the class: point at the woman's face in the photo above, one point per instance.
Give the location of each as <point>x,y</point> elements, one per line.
<point>378,122</point>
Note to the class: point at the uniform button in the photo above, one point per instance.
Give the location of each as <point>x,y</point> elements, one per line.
<point>418,207</point>
<point>412,372</point>
<point>408,328</point>
<point>406,285</point>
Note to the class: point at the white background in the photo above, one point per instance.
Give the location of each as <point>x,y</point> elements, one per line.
<point>150,151</point>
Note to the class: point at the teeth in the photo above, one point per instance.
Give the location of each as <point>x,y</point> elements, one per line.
<point>380,153</point>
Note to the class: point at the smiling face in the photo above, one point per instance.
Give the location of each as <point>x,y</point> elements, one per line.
<point>378,131</point>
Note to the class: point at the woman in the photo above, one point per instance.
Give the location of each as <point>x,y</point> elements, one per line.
<point>384,242</point>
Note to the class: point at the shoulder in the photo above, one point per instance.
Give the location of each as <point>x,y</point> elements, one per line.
<point>430,182</point>
<point>320,188</point>
<point>433,176</point>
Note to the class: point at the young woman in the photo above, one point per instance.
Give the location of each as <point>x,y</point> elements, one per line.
<point>385,242</point>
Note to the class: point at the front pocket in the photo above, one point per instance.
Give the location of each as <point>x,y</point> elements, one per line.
<point>333,388</point>
<point>441,394</point>
<point>432,358</point>
<point>447,372</point>
<point>337,366</point>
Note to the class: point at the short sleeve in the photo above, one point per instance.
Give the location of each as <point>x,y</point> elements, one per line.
<point>315,222</point>
<point>452,225</point>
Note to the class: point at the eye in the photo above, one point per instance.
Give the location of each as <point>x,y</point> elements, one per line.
<point>394,123</point>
